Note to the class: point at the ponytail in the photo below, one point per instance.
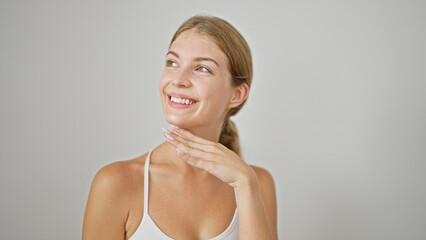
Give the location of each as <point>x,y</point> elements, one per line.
<point>229,136</point>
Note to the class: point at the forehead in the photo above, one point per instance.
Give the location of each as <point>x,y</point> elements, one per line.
<point>191,44</point>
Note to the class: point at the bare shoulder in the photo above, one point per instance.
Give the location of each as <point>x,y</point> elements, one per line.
<point>120,176</point>
<point>264,177</point>
<point>114,183</point>
<point>109,199</point>
<point>266,185</point>
<point>114,176</point>
<point>267,191</point>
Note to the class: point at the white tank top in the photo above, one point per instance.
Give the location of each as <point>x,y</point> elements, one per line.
<point>148,230</point>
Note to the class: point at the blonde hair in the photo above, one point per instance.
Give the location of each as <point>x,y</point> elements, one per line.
<point>232,43</point>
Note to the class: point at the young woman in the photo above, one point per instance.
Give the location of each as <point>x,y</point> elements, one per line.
<point>194,185</point>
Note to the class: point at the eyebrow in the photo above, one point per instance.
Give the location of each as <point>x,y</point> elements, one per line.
<point>196,59</point>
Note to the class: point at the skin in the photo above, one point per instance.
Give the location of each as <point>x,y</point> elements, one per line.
<point>191,195</point>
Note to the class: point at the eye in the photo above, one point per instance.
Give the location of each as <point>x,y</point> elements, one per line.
<point>171,63</point>
<point>203,69</point>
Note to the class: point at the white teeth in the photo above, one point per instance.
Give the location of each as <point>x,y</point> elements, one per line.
<point>181,100</point>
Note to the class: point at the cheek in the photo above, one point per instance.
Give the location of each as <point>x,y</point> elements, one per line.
<point>163,82</point>
<point>218,93</point>
<point>224,88</point>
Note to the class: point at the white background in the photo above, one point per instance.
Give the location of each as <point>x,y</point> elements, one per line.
<point>337,111</point>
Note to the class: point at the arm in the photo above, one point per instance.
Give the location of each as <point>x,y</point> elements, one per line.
<point>105,215</point>
<point>257,206</point>
<point>254,186</point>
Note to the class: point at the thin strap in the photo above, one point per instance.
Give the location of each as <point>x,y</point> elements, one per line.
<point>146,184</point>
<point>236,202</point>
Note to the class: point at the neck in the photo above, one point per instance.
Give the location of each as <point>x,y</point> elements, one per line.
<point>210,133</point>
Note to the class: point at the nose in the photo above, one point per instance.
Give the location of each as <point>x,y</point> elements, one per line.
<point>182,79</point>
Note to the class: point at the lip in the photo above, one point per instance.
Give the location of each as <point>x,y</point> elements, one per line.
<point>178,105</point>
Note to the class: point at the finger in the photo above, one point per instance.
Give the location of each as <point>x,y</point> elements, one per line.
<point>187,150</point>
<point>209,147</point>
<point>208,166</point>
<point>172,140</point>
<point>193,145</point>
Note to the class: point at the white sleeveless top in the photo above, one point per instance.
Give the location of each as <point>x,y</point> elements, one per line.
<point>148,230</point>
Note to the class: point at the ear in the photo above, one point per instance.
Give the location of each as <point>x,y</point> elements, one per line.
<point>240,95</point>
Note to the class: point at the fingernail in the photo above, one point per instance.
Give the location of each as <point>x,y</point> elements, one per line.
<point>166,130</point>
<point>180,152</point>
<point>169,137</point>
<point>173,126</point>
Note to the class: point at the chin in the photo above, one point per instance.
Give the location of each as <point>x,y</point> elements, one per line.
<point>180,122</point>
<point>176,121</point>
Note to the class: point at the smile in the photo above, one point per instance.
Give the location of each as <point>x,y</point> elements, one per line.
<point>181,100</point>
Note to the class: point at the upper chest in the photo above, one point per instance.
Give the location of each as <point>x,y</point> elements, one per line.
<point>182,208</point>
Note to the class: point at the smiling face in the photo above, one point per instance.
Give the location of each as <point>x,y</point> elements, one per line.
<point>196,87</point>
